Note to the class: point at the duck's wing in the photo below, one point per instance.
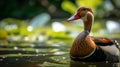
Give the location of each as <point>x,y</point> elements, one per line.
<point>103,41</point>
<point>109,47</point>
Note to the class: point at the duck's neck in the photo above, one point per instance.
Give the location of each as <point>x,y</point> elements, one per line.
<point>88,20</point>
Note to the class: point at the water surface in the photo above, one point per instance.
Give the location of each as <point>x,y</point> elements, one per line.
<point>39,55</point>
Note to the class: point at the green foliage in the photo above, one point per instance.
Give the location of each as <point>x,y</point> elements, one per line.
<point>71,7</point>
<point>68,6</point>
<point>96,27</point>
<point>12,21</point>
<point>55,35</point>
<point>90,3</point>
<point>3,34</point>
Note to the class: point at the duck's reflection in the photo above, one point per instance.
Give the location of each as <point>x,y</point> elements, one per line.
<point>93,64</point>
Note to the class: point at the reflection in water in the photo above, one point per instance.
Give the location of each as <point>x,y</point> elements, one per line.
<point>15,48</point>
<point>94,64</point>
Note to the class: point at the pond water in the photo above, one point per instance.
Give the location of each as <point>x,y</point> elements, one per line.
<point>39,55</point>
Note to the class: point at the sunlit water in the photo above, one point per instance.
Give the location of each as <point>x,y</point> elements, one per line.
<point>39,55</point>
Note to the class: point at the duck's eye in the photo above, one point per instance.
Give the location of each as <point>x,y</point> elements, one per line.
<point>78,10</point>
<point>84,9</point>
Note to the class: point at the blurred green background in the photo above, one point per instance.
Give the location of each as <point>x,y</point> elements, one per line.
<point>35,33</point>
<point>45,20</point>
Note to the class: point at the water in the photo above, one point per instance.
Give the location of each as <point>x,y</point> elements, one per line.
<point>39,55</point>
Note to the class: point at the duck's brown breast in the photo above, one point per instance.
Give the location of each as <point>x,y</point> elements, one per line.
<point>82,48</point>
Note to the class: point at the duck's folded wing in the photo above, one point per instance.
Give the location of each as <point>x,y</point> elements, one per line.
<point>109,47</point>
<point>103,41</point>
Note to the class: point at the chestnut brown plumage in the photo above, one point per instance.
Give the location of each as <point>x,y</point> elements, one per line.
<point>87,48</point>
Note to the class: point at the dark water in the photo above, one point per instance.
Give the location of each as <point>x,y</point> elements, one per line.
<point>39,55</point>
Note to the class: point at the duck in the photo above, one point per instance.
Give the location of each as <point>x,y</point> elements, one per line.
<point>88,48</point>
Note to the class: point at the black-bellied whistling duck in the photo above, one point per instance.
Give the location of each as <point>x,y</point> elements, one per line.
<point>87,48</point>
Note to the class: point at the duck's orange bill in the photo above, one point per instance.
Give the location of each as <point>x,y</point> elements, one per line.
<point>74,17</point>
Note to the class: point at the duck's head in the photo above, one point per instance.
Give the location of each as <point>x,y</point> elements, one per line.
<point>81,12</point>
